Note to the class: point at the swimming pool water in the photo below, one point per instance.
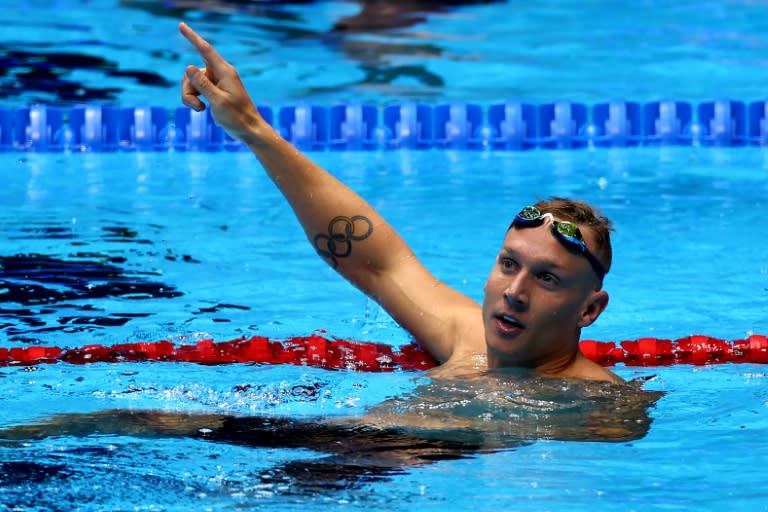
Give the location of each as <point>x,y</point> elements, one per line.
<point>183,246</point>
<point>214,229</point>
<point>580,51</point>
<point>692,458</point>
<point>212,242</point>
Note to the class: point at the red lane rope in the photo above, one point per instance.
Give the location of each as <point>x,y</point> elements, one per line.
<point>340,354</point>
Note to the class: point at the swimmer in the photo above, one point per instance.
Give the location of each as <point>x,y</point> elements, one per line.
<point>545,285</point>
<point>511,371</point>
<point>438,420</point>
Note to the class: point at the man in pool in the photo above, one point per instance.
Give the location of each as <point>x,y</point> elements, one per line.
<point>545,285</point>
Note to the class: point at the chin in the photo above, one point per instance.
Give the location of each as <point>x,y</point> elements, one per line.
<point>510,352</point>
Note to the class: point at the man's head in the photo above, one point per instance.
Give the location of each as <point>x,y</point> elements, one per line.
<point>588,219</point>
<point>546,284</point>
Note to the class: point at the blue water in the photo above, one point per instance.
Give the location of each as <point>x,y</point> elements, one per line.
<point>217,253</point>
<point>213,228</point>
<point>685,262</point>
<point>583,51</point>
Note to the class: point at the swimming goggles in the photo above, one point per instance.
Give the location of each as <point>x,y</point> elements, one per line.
<point>566,232</point>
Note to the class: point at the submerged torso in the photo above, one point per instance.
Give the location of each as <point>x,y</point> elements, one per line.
<point>513,405</point>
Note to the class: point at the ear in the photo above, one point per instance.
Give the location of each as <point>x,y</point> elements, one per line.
<point>596,305</point>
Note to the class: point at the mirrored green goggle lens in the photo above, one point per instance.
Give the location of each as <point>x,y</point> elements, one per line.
<point>529,213</point>
<point>569,230</point>
<point>570,233</point>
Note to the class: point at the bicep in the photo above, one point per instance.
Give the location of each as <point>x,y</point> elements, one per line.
<point>436,315</point>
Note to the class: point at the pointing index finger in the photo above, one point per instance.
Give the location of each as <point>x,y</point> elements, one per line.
<point>210,56</point>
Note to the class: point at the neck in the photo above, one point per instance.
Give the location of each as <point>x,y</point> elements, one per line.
<point>559,364</point>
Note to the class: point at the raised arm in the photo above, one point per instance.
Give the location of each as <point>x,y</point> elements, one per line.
<point>343,228</point>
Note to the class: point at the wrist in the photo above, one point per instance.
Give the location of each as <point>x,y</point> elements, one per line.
<point>259,136</point>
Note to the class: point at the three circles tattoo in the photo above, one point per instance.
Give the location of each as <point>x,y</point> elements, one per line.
<point>342,231</point>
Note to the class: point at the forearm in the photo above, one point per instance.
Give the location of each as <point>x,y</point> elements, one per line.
<point>116,422</point>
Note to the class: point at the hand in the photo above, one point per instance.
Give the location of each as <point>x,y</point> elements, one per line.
<point>219,83</point>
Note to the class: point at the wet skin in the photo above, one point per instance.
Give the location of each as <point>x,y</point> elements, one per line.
<point>554,291</point>
<point>441,419</point>
<point>538,297</point>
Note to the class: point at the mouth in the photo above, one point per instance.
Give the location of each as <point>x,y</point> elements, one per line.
<point>508,324</point>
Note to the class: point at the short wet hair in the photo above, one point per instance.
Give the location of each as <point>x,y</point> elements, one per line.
<point>586,216</point>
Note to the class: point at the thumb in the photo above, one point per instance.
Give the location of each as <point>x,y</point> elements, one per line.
<point>201,83</point>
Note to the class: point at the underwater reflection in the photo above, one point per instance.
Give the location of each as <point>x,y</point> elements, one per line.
<point>47,75</point>
<point>442,419</point>
<point>382,60</point>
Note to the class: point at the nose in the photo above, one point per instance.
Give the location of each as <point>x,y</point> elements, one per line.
<point>516,291</point>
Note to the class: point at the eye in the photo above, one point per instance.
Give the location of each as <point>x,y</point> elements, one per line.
<point>548,278</point>
<point>507,263</point>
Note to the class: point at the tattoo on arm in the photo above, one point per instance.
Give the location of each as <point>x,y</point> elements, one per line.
<point>342,231</point>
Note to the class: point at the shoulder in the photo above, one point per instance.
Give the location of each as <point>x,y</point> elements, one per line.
<point>459,335</point>
<point>589,370</point>
<point>465,334</point>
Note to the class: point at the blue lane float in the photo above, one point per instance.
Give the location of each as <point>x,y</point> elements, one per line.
<point>512,126</point>
<point>515,126</point>
<point>616,124</point>
<point>353,127</point>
